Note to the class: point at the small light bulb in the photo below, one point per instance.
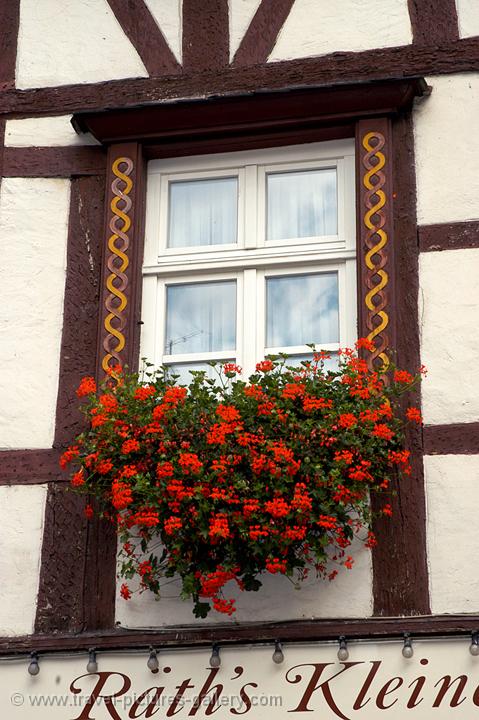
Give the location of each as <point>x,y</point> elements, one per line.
<point>92,665</point>
<point>215,660</point>
<point>152,662</point>
<point>474,646</point>
<point>34,667</point>
<point>407,650</point>
<point>278,656</point>
<point>343,652</point>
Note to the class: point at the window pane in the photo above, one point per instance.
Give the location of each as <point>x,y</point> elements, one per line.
<point>302,204</point>
<point>185,376</point>
<point>203,212</point>
<point>302,309</point>
<point>331,363</point>
<point>200,317</point>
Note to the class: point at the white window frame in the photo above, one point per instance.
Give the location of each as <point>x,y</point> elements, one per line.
<point>253,258</point>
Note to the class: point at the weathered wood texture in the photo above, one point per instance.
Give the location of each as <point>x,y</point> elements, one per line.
<point>205,35</point>
<point>342,67</point>
<point>145,35</point>
<point>454,439</point>
<point>260,37</point>
<point>9,23</point>
<point>449,236</point>
<point>434,22</point>
<point>71,597</point>
<point>248,633</point>
<point>400,579</point>
<point>29,467</point>
<point>53,161</point>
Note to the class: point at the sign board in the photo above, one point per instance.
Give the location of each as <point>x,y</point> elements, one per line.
<point>440,681</point>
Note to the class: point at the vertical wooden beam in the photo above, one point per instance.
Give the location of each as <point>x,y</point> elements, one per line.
<point>9,24</point>
<point>388,315</point>
<point>434,22</point>
<point>205,35</point>
<point>118,343</point>
<point>61,601</point>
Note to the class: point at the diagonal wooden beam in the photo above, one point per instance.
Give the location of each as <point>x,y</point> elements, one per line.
<point>260,37</point>
<point>141,28</point>
<point>434,22</point>
<point>205,35</point>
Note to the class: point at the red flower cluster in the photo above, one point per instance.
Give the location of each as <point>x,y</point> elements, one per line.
<point>234,481</point>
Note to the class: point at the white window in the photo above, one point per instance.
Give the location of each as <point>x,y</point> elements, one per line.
<point>248,254</point>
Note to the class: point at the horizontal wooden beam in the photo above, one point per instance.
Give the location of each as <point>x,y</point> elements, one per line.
<point>30,467</point>
<point>53,161</point>
<point>455,439</point>
<point>296,631</point>
<point>449,236</point>
<point>336,68</point>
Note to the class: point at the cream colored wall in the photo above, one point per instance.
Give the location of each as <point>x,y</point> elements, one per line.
<point>72,41</point>
<point>349,595</point>
<point>447,161</point>
<point>44,131</point>
<point>21,527</point>
<point>447,150</point>
<point>318,27</point>
<point>33,235</point>
<point>468,16</point>
<point>167,14</point>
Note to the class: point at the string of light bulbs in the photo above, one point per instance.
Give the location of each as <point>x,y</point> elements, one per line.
<point>278,656</point>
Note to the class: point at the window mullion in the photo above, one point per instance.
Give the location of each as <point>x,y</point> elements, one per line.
<point>251,205</point>
<point>249,351</point>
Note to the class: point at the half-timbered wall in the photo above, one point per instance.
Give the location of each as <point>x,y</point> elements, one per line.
<point>61,57</point>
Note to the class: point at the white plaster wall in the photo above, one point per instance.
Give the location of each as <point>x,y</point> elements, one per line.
<point>449,325</point>
<point>447,150</point>
<point>318,27</point>
<point>21,532</point>
<point>468,16</point>
<point>241,14</point>
<point>44,131</point>
<point>167,14</point>
<point>72,41</point>
<point>33,235</point>
<point>452,492</point>
<point>349,595</point>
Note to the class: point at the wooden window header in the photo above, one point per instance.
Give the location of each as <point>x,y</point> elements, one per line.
<point>258,119</point>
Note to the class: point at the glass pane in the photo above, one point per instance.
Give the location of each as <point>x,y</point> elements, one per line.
<point>302,204</point>
<point>203,212</point>
<point>200,317</point>
<point>302,309</point>
<point>184,371</point>
<point>330,364</point>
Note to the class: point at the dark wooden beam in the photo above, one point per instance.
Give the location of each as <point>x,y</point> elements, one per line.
<point>455,439</point>
<point>53,161</point>
<point>247,633</point>
<point>449,236</point>
<point>205,35</point>
<point>9,24</point>
<point>142,30</point>
<point>434,22</point>
<point>66,598</point>
<point>241,115</point>
<point>336,68</point>
<point>260,37</point>
<point>30,467</point>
